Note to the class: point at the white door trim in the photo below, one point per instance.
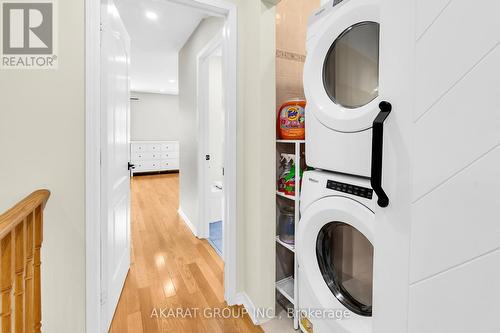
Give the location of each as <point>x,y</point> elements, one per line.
<point>93,149</point>
<point>202,99</point>
<point>93,165</point>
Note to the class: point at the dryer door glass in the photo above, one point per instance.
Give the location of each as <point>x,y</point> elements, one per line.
<point>345,258</point>
<point>350,71</point>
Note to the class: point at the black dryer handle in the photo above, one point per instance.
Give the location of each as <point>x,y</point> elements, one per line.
<point>378,152</point>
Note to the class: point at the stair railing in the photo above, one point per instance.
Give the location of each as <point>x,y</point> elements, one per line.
<point>21,234</point>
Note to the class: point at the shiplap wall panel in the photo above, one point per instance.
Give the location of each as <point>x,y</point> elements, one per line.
<point>455,238</point>
<point>460,128</point>
<point>427,12</point>
<point>457,222</point>
<point>463,34</point>
<point>463,301</point>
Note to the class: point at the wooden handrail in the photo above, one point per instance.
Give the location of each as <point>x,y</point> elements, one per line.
<point>23,208</point>
<point>21,235</point>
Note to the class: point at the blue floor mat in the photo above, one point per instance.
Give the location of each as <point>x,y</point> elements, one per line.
<point>215,237</point>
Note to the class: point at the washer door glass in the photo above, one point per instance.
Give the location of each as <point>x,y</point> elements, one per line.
<point>350,71</point>
<point>345,258</point>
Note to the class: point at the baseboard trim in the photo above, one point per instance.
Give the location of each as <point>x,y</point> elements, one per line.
<point>244,300</point>
<point>187,221</point>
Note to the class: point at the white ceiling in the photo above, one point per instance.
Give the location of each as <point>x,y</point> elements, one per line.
<point>156,43</point>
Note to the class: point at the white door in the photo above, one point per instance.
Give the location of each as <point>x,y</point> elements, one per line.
<point>441,158</point>
<point>115,186</point>
<point>392,223</point>
<point>211,122</point>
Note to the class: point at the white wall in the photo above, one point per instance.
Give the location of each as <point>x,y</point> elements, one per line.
<point>154,117</point>
<point>42,122</point>
<point>257,150</point>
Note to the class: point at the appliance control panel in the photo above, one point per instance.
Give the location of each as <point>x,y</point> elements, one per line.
<point>350,189</point>
<point>323,10</point>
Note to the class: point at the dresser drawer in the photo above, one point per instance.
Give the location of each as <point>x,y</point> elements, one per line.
<point>169,155</point>
<point>139,167</point>
<point>151,165</point>
<point>145,147</point>
<point>139,147</point>
<point>170,164</point>
<point>155,147</point>
<point>170,147</point>
<point>147,155</point>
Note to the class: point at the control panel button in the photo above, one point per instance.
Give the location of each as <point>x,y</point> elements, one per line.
<point>350,189</point>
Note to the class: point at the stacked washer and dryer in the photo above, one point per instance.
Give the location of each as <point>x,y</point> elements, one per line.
<point>344,138</point>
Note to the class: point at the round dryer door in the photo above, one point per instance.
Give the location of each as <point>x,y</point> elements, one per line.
<point>335,252</point>
<point>345,259</point>
<point>341,74</point>
<point>350,71</point>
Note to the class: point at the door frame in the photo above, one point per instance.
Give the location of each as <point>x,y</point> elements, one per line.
<point>202,100</point>
<point>93,151</point>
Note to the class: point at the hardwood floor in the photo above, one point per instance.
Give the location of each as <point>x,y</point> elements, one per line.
<point>171,270</point>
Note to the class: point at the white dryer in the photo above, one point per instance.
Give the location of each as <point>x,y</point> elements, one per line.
<point>341,77</point>
<point>335,244</point>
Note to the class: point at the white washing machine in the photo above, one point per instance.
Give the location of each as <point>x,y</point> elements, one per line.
<point>335,245</point>
<point>341,77</point>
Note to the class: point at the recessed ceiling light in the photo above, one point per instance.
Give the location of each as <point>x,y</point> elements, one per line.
<point>151,15</point>
<point>113,11</point>
<point>172,81</point>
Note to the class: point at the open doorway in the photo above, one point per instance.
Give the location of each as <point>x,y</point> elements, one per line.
<point>215,186</point>
<point>150,105</point>
<point>211,108</point>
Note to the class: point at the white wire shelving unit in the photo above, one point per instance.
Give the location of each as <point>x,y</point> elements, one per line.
<point>288,285</point>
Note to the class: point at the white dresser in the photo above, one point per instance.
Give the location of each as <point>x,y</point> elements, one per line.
<point>150,156</point>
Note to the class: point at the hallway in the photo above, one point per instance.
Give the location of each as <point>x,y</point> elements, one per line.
<point>170,269</point>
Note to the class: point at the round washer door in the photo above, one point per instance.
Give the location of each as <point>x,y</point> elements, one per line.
<point>335,253</point>
<point>341,73</point>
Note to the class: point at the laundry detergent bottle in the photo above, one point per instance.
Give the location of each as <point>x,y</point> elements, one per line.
<point>291,120</point>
